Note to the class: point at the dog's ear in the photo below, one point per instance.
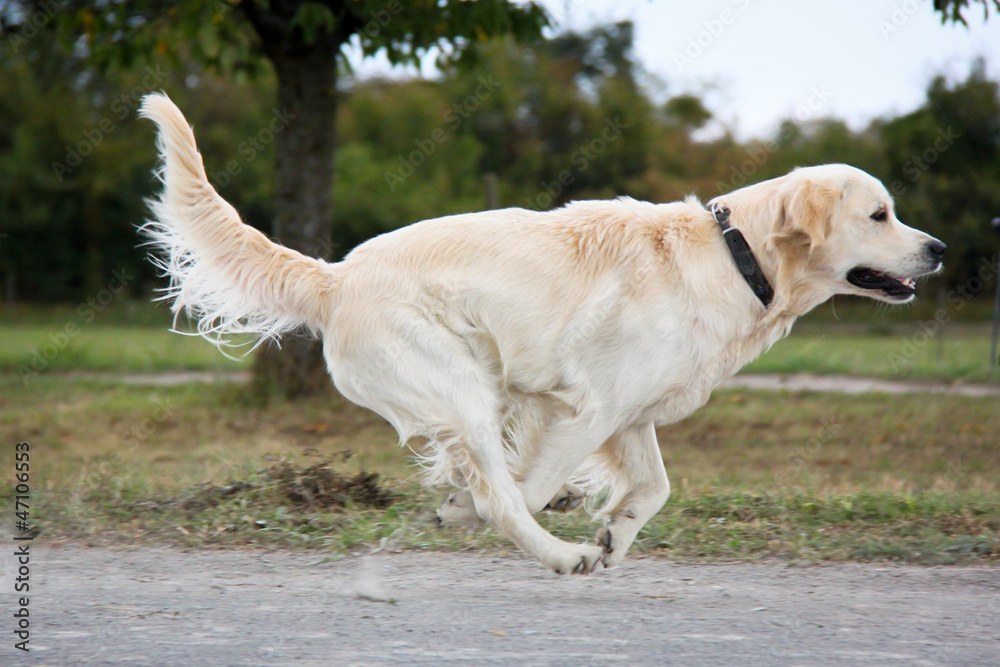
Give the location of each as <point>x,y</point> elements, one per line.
<point>807,215</point>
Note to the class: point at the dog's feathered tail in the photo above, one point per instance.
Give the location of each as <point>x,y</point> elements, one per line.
<point>229,277</point>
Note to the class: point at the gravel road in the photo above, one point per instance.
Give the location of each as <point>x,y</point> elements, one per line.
<point>163,606</point>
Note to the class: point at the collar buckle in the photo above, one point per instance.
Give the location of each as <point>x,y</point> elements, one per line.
<point>745,260</point>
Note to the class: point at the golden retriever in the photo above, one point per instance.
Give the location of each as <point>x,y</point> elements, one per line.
<point>534,353</point>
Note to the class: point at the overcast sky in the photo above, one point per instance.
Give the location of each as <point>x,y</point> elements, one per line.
<point>757,61</point>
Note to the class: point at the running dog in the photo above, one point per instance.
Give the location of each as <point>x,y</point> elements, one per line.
<point>534,353</point>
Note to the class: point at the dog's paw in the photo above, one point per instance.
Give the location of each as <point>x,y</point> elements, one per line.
<point>578,559</point>
<point>459,511</point>
<point>606,541</point>
<point>568,498</point>
<point>614,540</point>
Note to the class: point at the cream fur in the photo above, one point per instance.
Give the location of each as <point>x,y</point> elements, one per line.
<point>229,277</point>
<point>530,349</point>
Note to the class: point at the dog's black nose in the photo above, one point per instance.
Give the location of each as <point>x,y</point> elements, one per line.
<point>936,249</point>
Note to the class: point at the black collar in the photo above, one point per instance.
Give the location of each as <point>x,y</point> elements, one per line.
<point>743,255</point>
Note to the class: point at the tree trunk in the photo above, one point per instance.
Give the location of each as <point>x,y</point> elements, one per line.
<point>304,125</point>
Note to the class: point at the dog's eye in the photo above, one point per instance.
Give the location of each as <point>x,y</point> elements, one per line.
<point>880,215</point>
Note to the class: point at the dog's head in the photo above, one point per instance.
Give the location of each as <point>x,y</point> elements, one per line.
<point>832,230</point>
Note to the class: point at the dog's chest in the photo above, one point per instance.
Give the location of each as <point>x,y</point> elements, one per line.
<point>702,360</point>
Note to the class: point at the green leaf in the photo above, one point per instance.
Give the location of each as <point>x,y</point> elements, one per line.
<point>314,18</point>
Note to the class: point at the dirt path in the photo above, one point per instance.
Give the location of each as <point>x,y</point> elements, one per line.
<point>838,384</point>
<point>844,384</point>
<point>159,606</point>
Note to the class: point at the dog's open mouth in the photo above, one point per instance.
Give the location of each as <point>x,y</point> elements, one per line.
<point>897,288</point>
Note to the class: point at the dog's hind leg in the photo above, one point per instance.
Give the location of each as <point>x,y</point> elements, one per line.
<point>568,497</point>
<point>435,387</point>
<point>639,489</point>
<point>459,510</point>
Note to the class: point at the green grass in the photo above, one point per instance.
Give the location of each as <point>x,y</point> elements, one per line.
<point>130,336</point>
<point>908,355</point>
<point>120,312</point>
<point>925,528</point>
<point>134,338</point>
<point>31,350</point>
<point>806,477</point>
<point>756,474</point>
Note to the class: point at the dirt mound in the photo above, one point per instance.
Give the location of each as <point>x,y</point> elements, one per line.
<point>321,487</point>
<point>315,487</point>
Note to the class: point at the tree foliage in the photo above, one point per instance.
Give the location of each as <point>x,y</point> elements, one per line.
<point>230,36</point>
<point>552,120</point>
<point>304,43</point>
<point>954,10</point>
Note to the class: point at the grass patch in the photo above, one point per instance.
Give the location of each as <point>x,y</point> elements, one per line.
<point>34,350</point>
<point>927,528</point>
<point>807,477</point>
<point>134,337</point>
<point>932,529</point>
<point>904,355</point>
<point>31,348</point>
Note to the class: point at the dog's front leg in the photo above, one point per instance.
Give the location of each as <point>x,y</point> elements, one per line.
<point>562,448</point>
<point>497,499</point>
<point>637,494</point>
